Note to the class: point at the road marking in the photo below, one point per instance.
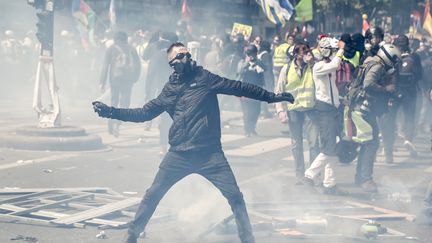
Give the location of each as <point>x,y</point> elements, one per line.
<point>226,138</point>
<point>260,147</point>
<point>38,161</point>
<point>272,174</point>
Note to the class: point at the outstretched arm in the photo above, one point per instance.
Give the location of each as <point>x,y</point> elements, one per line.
<point>149,111</point>
<point>231,87</point>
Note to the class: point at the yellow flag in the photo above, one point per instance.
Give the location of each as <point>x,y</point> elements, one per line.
<point>427,24</point>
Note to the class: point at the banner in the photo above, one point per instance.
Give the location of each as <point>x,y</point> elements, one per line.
<point>246,30</point>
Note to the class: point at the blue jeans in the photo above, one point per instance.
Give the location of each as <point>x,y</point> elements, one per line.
<point>296,122</point>
<point>209,163</point>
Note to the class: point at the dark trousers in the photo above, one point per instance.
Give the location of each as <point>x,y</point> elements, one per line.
<point>120,97</point>
<point>296,122</point>
<point>367,154</point>
<point>388,121</point>
<point>251,110</point>
<point>212,165</point>
<point>328,123</point>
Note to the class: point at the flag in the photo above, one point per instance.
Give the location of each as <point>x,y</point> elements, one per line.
<point>85,18</point>
<point>186,13</point>
<point>416,30</point>
<point>365,25</point>
<point>427,22</point>
<point>112,14</point>
<point>277,11</point>
<point>186,16</point>
<point>304,11</point>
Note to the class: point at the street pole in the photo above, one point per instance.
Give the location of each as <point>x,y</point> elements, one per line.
<point>49,116</point>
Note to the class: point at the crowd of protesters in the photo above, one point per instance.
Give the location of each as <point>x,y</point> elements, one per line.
<point>319,72</point>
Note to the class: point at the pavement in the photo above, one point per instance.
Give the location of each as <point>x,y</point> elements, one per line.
<point>263,166</point>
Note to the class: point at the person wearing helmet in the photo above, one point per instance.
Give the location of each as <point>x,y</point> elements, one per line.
<point>296,78</point>
<point>326,107</point>
<point>407,81</point>
<point>374,38</point>
<point>369,95</point>
<point>251,70</point>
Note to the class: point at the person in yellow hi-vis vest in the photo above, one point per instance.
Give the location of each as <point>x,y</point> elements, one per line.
<point>280,55</point>
<point>296,78</point>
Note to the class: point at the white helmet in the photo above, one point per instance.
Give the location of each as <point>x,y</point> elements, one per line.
<point>325,46</point>
<point>390,54</point>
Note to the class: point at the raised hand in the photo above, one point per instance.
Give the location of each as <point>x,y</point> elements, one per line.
<point>102,109</point>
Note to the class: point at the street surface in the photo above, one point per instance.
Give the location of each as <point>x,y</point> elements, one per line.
<point>263,166</point>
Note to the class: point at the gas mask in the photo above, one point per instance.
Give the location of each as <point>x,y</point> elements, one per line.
<point>326,52</point>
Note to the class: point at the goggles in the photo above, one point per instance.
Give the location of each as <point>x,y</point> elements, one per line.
<point>180,56</point>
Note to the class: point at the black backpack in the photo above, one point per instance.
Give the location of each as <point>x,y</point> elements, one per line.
<point>123,63</point>
<point>355,88</point>
<point>406,78</point>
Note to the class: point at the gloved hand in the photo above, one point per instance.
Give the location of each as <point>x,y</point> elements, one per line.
<point>102,109</point>
<point>281,97</point>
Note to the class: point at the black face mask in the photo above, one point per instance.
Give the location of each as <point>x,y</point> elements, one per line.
<point>182,67</point>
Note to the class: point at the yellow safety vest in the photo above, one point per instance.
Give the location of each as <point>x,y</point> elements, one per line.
<point>355,60</point>
<point>302,88</point>
<point>355,127</point>
<point>280,57</point>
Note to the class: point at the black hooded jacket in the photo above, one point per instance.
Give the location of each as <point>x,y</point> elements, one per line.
<point>192,104</point>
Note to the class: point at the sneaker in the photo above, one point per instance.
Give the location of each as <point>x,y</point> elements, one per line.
<point>410,147</point>
<point>335,191</point>
<point>300,181</point>
<point>369,186</point>
<point>308,181</point>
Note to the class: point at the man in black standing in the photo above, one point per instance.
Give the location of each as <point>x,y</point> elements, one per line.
<point>190,98</point>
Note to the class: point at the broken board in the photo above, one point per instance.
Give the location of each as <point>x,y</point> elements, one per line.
<point>69,207</point>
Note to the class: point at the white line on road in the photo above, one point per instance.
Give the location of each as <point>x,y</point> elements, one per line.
<point>226,138</point>
<point>259,148</point>
<point>37,161</point>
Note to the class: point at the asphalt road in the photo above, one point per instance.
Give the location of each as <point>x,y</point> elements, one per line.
<point>263,166</point>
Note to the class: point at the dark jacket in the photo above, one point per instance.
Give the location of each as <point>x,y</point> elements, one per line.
<point>192,104</point>
<point>128,71</point>
<point>251,72</point>
<point>375,80</point>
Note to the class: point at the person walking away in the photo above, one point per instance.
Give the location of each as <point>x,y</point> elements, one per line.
<point>121,69</point>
